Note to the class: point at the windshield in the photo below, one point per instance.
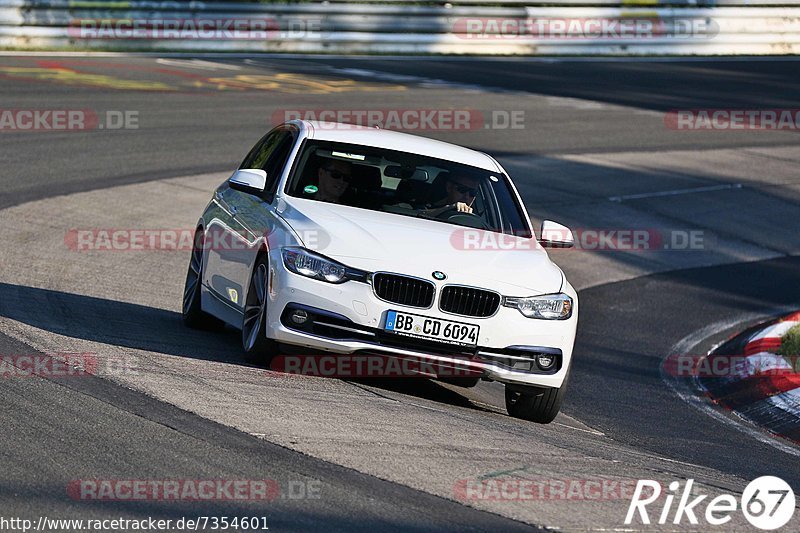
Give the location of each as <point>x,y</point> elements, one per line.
<point>406,184</point>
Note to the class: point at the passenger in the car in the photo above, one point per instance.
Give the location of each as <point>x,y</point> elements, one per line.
<point>334,179</point>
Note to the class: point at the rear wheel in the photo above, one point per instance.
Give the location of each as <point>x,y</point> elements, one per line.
<point>537,404</point>
<point>258,348</point>
<point>193,314</point>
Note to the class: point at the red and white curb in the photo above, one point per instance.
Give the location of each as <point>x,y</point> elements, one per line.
<point>747,375</point>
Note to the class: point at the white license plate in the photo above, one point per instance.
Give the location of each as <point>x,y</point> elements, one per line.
<point>424,327</point>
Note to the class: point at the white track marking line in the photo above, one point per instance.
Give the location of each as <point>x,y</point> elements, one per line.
<point>590,431</point>
<point>675,192</point>
<point>687,395</point>
<point>422,81</point>
<point>197,63</point>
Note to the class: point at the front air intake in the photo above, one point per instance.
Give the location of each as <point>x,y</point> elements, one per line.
<point>403,290</point>
<point>469,301</point>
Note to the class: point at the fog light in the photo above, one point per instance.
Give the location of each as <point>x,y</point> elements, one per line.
<point>545,361</point>
<point>299,317</point>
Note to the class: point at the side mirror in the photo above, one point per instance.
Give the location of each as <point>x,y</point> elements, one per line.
<point>249,180</point>
<point>554,235</point>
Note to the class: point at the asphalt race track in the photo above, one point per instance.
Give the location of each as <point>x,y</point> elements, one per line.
<point>594,152</point>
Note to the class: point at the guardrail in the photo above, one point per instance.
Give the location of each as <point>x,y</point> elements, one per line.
<point>570,27</point>
<point>257,7</point>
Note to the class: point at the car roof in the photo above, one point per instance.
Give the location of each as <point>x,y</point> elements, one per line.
<point>393,140</point>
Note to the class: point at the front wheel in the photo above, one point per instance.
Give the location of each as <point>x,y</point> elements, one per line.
<point>537,404</point>
<point>258,348</point>
<point>193,314</point>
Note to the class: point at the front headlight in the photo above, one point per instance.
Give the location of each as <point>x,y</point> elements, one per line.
<point>312,265</point>
<point>547,307</point>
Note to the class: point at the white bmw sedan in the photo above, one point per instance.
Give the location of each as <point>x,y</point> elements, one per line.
<point>341,239</point>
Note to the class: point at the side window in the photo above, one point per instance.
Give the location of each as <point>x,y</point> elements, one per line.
<point>270,155</point>
<point>258,156</point>
<point>277,159</point>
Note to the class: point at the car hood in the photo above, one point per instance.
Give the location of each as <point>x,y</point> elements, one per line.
<point>378,241</point>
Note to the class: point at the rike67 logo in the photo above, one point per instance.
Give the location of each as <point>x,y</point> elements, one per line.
<point>767,503</point>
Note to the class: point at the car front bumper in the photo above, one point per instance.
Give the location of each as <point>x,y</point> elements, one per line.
<point>355,318</point>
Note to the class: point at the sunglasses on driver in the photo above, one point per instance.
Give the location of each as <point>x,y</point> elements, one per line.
<point>335,174</point>
<point>465,190</point>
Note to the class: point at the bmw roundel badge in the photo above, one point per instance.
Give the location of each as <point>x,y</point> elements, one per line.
<point>437,275</point>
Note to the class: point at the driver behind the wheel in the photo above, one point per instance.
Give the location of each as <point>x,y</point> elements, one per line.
<point>461,192</point>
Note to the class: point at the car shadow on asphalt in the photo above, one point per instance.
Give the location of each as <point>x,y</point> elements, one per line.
<point>117,323</point>
<point>418,387</point>
<point>146,328</point>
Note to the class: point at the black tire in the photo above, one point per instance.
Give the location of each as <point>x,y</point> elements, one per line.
<point>536,404</point>
<point>192,311</point>
<point>258,349</point>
